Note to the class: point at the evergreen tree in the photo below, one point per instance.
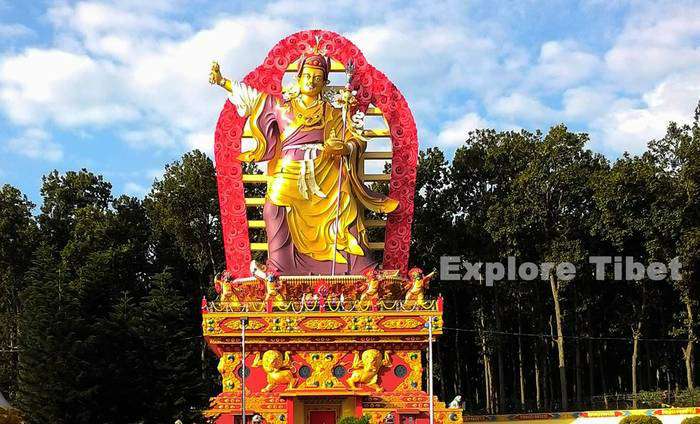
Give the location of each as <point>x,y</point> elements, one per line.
<point>17,243</point>
<point>172,379</point>
<point>49,324</point>
<point>184,205</point>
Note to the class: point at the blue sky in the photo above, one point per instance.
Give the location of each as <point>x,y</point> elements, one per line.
<point>121,87</point>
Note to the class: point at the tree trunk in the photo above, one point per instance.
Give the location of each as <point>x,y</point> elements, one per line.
<point>521,372</point>
<point>490,404</point>
<point>649,366</point>
<point>688,350</point>
<point>457,382</point>
<point>538,390</point>
<point>560,342</point>
<point>485,359</point>
<point>547,379</point>
<point>635,351</point>
<point>467,380</point>
<point>521,365</point>
<point>590,352</point>
<point>579,377</point>
<point>487,388</point>
<point>603,381</point>
<point>591,370</point>
<point>577,355</point>
<point>499,356</point>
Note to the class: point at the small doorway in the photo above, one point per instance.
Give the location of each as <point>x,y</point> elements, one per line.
<point>322,417</point>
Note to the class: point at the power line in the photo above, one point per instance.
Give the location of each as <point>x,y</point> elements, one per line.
<point>549,336</point>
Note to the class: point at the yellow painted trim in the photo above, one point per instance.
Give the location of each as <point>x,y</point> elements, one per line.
<point>255,178</point>
<point>254,201</point>
<point>378,155</point>
<point>376,177</point>
<point>373,111</point>
<point>375,223</point>
<point>376,132</point>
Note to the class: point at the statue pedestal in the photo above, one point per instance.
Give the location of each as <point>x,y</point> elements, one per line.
<point>323,359</point>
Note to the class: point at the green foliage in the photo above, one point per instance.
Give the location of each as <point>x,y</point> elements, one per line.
<point>354,420</point>
<point>688,397</point>
<point>104,321</point>
<point>63,195</point>
<point>650,398</point>
<point>184,205</point>
<point>640,419</point>
<point>691,420</point>
<point>18,241</point>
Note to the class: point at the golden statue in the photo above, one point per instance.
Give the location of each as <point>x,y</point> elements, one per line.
<point>371,291</point>
<point>417,284</point>
<point>313,148</point>
<point>278,369</point>
<point>229,295</point>
<point>272,283</point>
<point>366,370</point>
<point>228,377</point>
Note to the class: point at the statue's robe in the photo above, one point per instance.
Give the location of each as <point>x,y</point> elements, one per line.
<point>302,196</point>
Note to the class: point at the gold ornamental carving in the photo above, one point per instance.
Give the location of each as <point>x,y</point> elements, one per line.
<point>277,368</point>
<point>227,368</point>
<point>323,323</point>
<point>322,364</point>
<point>401,323</point>
<point>413,379</point>
<point>366,368</point>
<point>252,325</point>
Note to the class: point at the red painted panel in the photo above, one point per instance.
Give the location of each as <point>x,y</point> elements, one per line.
<point>387,379</point>
<point>257,379</point>
<point>322,417</point>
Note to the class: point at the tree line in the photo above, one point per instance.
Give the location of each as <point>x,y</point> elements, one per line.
<point>553,344</point>
<point>100,294</point>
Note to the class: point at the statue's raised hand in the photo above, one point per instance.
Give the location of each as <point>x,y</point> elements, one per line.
<point>215,76</point>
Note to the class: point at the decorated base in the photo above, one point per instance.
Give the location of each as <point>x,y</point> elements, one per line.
<point>304,407</point>
<point>324,357</point>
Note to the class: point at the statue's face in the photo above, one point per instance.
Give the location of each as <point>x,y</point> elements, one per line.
<point>311,81</point>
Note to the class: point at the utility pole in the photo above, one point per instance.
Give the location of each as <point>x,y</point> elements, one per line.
<point>244,322</point>
<point>430,369</point>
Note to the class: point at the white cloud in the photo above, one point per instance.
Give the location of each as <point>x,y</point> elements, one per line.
<point>35,143</point>
<point>587,102</point>
<point>135,189</point>
<point>113,83</point>
<point>563,64</point>
<point>71,90</point>
<point>118,31</point>
<point>152,137</point>
<point>522,107</point>
<point>657,40</point>
<point>454,133</point>
<point>430,62</point>
<point>629,125</point>
<point>14,31</point>
<point>203,141</point>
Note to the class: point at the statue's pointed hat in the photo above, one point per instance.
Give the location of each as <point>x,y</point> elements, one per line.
<point>316,59</point>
